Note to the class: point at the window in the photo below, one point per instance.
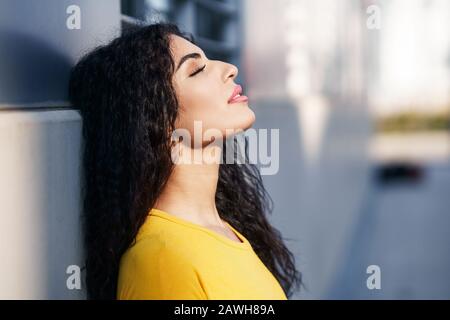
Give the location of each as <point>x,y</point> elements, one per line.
<point>215,24</point>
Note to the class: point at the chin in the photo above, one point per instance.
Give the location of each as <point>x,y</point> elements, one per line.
<point>247,122</point>
<point>251,119</point>
<point>238,121</point>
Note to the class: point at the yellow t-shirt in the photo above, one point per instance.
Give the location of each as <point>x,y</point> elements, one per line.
<point>174,259</point>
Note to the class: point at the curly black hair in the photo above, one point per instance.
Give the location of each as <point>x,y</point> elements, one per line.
<point>128,105</point>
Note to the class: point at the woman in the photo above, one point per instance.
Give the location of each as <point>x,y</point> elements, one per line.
<point>156,228</point>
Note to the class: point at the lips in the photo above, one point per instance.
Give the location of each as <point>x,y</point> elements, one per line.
<point>236,95</point>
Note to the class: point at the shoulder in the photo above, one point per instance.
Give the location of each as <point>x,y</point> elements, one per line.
<point>159,241</point>
<point>154,251</point>
<point>156,268</point>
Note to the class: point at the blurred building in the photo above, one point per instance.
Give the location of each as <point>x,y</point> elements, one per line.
<point>414,58</point>
<point>307,75</point>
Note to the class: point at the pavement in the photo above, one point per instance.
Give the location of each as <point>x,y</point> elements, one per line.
<point>405,230</point>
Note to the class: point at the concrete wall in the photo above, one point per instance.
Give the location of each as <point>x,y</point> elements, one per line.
<point>40,142</point>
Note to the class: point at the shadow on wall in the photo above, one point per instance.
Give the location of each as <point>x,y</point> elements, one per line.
<point>24,62</point>
<point>39,166</point>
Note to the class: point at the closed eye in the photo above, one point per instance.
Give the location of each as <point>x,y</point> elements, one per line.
<point>198,71</point>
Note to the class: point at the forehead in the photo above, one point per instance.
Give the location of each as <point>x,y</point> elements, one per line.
<point>180,47</point>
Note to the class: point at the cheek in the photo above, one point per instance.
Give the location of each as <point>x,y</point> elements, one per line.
<point>200,103</point>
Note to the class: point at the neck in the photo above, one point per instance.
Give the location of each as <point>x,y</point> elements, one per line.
<point>191,190</point>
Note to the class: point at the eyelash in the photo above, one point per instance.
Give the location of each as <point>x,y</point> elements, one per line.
<point>198,71</point>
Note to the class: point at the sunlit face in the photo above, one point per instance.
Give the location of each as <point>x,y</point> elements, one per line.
<point>203,88</point>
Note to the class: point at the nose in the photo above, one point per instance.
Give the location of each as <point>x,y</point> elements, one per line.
<point>230,71</point>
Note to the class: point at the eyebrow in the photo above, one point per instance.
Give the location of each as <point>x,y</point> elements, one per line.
<point>193,55</point>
